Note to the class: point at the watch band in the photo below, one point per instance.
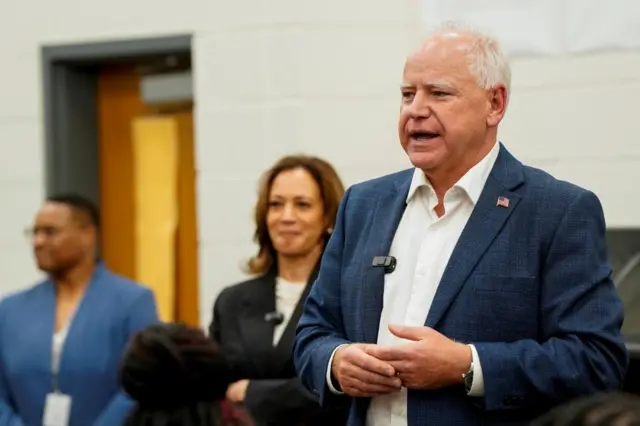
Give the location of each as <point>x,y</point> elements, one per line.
<point>467,378</point>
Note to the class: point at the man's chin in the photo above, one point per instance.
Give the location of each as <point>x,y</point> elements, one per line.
<point>45,267</point>
<point>425,161</point>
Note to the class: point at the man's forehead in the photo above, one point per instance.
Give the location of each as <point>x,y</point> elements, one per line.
<point>56,211</point>
<point>435,70</point>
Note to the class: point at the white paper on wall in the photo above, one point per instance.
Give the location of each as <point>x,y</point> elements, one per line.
<point>525,27</point>
<point>545,27</point>
<point>602,25</point>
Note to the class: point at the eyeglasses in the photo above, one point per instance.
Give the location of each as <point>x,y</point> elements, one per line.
<point>46,231</point>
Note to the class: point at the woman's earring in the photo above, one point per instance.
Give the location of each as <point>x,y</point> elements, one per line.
<point>329,231</point>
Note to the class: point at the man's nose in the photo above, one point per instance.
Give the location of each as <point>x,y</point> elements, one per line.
<point>420,107</point>
<point>38,239</point>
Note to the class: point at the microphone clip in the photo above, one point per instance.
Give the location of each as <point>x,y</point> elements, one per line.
<point>386,262</point>
<point>276,318</point>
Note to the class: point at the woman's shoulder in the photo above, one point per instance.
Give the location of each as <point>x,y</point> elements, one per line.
<point>238,290</point>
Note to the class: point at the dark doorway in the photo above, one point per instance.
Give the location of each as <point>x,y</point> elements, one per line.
<point>70,76</point>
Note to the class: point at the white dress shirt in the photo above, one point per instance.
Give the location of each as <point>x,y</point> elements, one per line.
<point>423,244</point>
<point>57,346</point>
<point>58,341</point>
<point>287,297</point>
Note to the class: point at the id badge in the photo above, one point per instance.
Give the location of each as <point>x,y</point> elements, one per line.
<point>57,410</point>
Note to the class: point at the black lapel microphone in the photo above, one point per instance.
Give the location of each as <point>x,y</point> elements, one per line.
<point>386,262</point>
<point>276,318</point>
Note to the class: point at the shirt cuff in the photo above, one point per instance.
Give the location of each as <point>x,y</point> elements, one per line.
<point>328,375</point>
<point>477,384</point>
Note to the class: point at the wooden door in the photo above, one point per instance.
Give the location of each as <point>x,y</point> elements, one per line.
<point>125,123</point>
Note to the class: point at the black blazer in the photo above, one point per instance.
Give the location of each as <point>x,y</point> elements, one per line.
<point>275,396</point>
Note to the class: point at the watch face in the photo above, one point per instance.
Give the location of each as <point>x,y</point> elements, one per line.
<point>468,381</point>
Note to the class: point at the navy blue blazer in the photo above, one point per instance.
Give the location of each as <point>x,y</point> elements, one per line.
<point>113,308</point>
<point>529,285</point>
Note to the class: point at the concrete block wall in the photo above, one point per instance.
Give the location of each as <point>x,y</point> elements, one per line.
<point>272,78</point>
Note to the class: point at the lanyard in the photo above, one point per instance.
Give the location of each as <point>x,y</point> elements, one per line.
<point>54,383</point>
<point>56,356</point>
<point>58,344</point>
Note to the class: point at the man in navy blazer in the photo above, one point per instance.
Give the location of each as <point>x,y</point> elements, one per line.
<point>470,290</point>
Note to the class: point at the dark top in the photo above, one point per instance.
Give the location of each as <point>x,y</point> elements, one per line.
<point>275,395</point>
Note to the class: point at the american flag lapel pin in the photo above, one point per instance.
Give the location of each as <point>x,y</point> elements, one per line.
<point>503,202</point>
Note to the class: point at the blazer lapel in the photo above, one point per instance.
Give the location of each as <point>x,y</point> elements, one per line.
<point>487,219</point>
<point>257,332</point>
<point>386,217</point>
<point>79,325</point>
<point>42,326</point>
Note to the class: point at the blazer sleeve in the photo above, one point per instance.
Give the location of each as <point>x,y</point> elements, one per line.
<point>8,416</point>
<point>320,329</point>
<point>581,349</point>
<point>214,326</point>
<point>272,401</point>
<point>142,313</point>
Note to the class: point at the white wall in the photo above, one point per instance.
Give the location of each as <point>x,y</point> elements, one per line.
<point>276,77</point>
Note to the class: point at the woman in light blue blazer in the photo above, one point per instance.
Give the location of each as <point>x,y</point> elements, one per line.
<point>73,372</point>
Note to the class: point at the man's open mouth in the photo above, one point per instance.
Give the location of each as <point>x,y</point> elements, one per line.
<point>423,135</point>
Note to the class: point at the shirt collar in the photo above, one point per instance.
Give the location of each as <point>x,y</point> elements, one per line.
<point>472,182</point>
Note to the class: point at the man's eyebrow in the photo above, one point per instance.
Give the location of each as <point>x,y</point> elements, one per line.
<point>439,85</point>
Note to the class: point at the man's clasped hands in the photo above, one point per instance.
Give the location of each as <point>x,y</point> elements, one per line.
<point>429,360</point>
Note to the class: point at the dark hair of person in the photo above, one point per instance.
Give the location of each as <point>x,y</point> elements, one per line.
<point>82,206</point>
<point>603,409</point>
<point>176,375</point>
<point>331,192</point>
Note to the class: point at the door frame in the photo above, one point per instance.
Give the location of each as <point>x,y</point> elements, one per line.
<point>70,80</point>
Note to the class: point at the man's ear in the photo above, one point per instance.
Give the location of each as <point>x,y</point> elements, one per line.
<point>497,105</point>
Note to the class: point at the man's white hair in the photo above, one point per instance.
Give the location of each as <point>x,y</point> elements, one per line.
<point>487,61</point>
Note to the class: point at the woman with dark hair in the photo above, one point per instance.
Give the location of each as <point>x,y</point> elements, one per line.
<point>178,377</point>
<point>603,409</point>
<point>254,321</point>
